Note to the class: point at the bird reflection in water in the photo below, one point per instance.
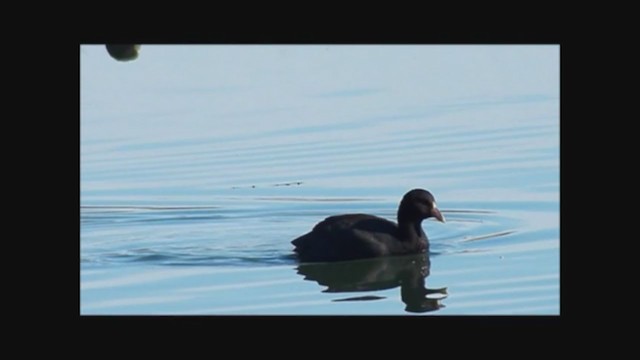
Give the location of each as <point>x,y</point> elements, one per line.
<point>408,272</point>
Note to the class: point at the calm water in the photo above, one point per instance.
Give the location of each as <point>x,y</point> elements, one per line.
<point>199,165</point>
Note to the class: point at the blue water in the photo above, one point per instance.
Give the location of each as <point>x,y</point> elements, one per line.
<point>199,165</point>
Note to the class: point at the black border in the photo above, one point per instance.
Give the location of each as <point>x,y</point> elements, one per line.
<point>332,326</point>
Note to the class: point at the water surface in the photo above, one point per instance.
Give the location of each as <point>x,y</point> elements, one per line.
<point>199,165</point>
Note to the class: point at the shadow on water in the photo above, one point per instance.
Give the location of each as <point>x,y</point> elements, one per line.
<point>407,272</point>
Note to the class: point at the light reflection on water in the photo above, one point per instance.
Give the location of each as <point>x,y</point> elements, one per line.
<point>189,208</point>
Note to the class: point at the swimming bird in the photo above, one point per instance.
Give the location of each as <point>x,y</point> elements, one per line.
<point>359,236</point>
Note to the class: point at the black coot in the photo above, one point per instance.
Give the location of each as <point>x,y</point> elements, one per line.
<point>358,236</point>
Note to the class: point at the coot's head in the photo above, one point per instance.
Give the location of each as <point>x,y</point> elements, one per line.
<point>417,205</point>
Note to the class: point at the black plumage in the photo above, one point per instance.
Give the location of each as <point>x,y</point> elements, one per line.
<point>358,236</point>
